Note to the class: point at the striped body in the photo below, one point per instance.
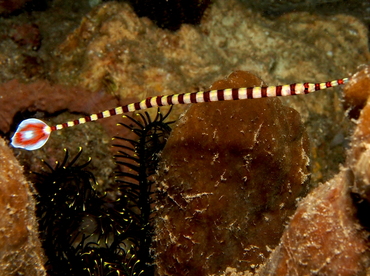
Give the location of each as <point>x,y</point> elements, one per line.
<point>209,96</point>
<point>30,142</point>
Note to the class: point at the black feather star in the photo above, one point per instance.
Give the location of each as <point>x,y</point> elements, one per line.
<point>85,233</point>
<point>141,158</point>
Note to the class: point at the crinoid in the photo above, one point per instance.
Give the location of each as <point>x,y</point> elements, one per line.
<point>85,233</point>
<point>81,231</point>
<point>140,157</point>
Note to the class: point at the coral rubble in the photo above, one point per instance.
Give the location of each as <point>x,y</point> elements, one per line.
<point>229,178</point>
<point>20,248</point>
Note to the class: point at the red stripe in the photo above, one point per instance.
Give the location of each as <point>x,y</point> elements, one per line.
<point>292,89</point>
<point>264,91</point>
<point>328,84</point>
<point>206,97</point>
<point>112,112</point>
<point>87,118</point>
<point>159,101</point>
<point>278,90</point>
<point>100,115</point>
<point>53,128</point>
<point>193,97</point>
<point>64,125</point>
<point>220,95</point>
<point>235,93</point>
<point>180,98</point>
<point>125,109</point>
<point>76,122</point>
<point>317,86</point>
<point>340,81</point>
<point>137,106</point>
<point>250,93</point>
<point>306,86</point>
<point>169,100</point>
<point>148,103</point>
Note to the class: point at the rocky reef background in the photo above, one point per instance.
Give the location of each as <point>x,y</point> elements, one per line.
<point>81,58</point>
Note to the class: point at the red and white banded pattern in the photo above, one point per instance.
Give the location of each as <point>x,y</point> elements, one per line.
<point>29,130</point>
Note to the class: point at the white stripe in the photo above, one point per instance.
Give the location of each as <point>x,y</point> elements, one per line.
<point>118,110</point>
<point>299,88</point>
<point>94,117</point>
<point>164,100</point>
<point>271,91</point>
<point>311,87</point>
<point>143,105</point>
<point>256,93</point>
<point>322,85</point>
<point>199,97</point>
<point>153,101</point>
<point>106,114</point>
<point>213,96</point>
<point>285,90</point>
<point>131,107</point>
<point>242,93</point>
<point>187,98</point>
<point>174,99</point>
<point>228,94</point>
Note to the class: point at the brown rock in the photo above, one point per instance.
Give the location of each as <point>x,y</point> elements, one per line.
<point>323,237</point>
<point>356,92</point>
<point>359,155</point>
<point>20,248</point>
<point>42,97</point>
<point>114,49</point>
<point>27,35</point>
<point>229,178</point>
<point>328,234</point>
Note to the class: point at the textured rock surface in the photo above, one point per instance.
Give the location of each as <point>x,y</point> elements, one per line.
<point>356,92</point>
<point>116,51</point>
<point>35,98</point>
<point>20,249</point>
<point>359,156</point>
<point>229,178</point>
<point>357,8</point>
<point>328,234</point>
<point>323,237</point>
<point>42,96</point>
